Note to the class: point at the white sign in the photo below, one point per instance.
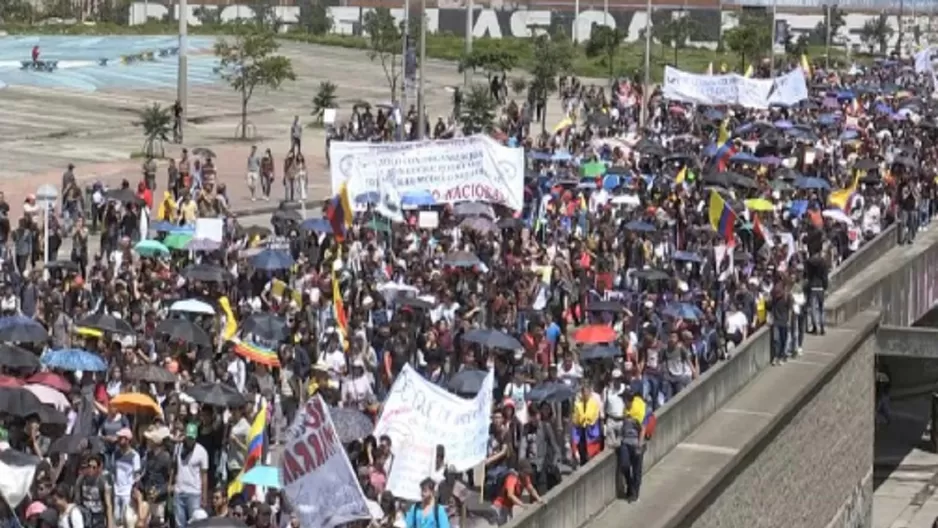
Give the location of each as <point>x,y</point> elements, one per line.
<point>315,473</point>
<point>733,89</point>
<point>209,229</point>
<point>469,169</point>
<point>418,416</point>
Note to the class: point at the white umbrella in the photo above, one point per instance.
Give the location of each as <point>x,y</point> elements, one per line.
<point>49,396</point>
<point>838,216</point>
<point>192,306</point>
<point>392,290</point>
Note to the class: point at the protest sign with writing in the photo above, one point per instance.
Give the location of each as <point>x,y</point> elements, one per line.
<point>315,473</point>
<point>418,416</point>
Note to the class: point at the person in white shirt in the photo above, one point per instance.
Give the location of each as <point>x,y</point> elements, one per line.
<point>569,371</point>
<point>191,477</point>
<point>69,515</point>
<point>737,325</point>
<point>614,407</point>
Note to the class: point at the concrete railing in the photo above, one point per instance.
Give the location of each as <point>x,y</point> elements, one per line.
<point>587,492</point>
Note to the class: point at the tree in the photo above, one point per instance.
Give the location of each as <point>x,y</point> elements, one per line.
<point>478,110</point>
<point>248,62</point>
<point>751,38</point>
<point>16,11</point>
<point>314,17</point>
<point>833,19</point>
<point>518,85</point>
<point>876,32</point>
<point>384,44</point>
<point>604,42</point>
<point>265,15</point>
<point>157,123</point>
<point>207,15</point>
<point>553,57</point>
<point>325,98</point>
<point>675,32</point>
<point>797,46</point>
<point>492,62</point>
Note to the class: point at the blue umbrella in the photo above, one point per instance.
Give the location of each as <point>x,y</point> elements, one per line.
<point>73,359</point>
<point>272,260</point>
<point>370,197</point>
<point>317,225</point>
<point>264,476</point>
<point>162,226</point>
<point>783,124</point>
<point>418,199</point>
<point>640,227</point>
<point>812,183</point>
<point>491,338</point>
<point>744,157</point>
<point>550,391</point>
<point>21,329</point>
<point>561,156</point>
<point>595,352</point>
<point>683,311</point>
<point>849,134</point>
<point>687,256</point>
<point>611,181</point>
<point>827,119</point>
<point>467,382</point>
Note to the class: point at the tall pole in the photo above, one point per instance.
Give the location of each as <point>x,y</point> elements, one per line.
<point>405,36</point>
<point>645,95</point>
<point>182,75</point>
<point>467,73</point>
<point>606,12</point>
<point>827,40</point>
<point>774,37</point>
<point>421,113</point>
<point>899,19</point>
<point>576,14</point>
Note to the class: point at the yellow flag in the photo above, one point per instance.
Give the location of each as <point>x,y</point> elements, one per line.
<point>231,322</point>
<point>749,71</point>
<point>681,176</point>
<point>724,134</point>
<point>806,65</point>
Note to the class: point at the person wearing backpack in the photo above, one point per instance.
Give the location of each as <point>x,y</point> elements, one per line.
<point>508,488</point>
<point>70,515</point>
<point>427,513</point>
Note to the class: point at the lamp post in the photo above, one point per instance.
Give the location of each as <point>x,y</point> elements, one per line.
<point>182,75</point>
<point>647,84</point>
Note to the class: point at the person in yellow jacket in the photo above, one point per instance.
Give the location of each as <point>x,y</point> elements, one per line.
<point>167,209</point>
<point>587,429</point>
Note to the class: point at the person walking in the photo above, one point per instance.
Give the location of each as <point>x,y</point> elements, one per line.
<point>267,173</point>
<point>191,477</point>
<point>632,446</point>
<point>427,513</point>
<point>254,172</point>
<point>69,514</point>
<point>817,276</point>
<point>296,136</point>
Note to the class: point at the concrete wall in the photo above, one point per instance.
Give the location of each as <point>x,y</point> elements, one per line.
<point>910,355</point>
<point>812,463</point>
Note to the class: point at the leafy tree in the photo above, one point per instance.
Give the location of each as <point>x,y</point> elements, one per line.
<point>14,11</point>
<point>492,62</point>
<point>157,123</point>
<point>207,15</point>
<point>325,98</point>
<point>553,57</point>
<point>604,42</point>
<point>518,85</point>
<point>675,32</point>
<point>751,38</point>
<point>876,32</point>
<point>478,110</point>
<point>797,46</point>
<point>265,15</point>
<point>384,44</point>
<point>249,61</point>
<point>314,17</point>
<point>834,20</point>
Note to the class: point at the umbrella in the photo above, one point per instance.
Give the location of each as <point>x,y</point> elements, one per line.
<point>474,209</point>
<point>594,334</point>
<point>205,273</point>
<point>265,326</point>
<point>51,379</point>
<point>10,381</point>
<point>202,244</point>
<point>599,119</point>
<point>20,329</point>
<point>416,302</point>
<point>52,422</point>
<point>264,476</point>
<point>66,265</point>
<point>594,352</point>
<point>652,275</point>
<point>256,231</point>
<point>150,374</point>
<point>124,195</point>
<point>418,199</point>
<point>683,311</point>
<point>812,183</point>
<point>217,395</point>
<point>135,402</point>
<point>490,338</point>
<point>151,248</point>
<point>510,223</point>
<point>866,164</point>
<point>759,204</point>
<point>368,198</point>
<point>218,522</point>
<point>49,396</point>
<point>18,402</point>
<point>286,215</point>
<point>203,152</point>
<point>15,357</point>
<point>551,392</point>
<point>73,359</point>
<point>461,259</point>
<point>177,241</point>
<point>107,323</point>
<point>640,227</point>
<point>75,444</point>
<point>604,306</point>
<point>185,331</point>
<point>468,382</point>
<point>317,225</point>
<point>192,306</point>
<point>687,256</point>
<point>272,260</point>
<point>479,224</point>
<point>351,424</point>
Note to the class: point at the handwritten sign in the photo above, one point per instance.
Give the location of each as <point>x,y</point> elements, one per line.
<point>315,473</point>
<point>418,416</point>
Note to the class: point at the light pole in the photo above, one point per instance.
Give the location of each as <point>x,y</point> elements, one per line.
<point>646,97</point>
<point>827,40</point>
<point>182,75</point>
<point>405,36</point>
<point>467,74</point>
<point>46,196</point>
<point>774,37</point>
<point>421,101</point>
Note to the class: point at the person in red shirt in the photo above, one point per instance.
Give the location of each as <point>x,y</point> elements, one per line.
<point>145,194</point>
<point>515,483</point>
<point>35,53</point>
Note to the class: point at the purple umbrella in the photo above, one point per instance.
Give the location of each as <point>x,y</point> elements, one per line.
<point>202,244</point>
<point>830,102</point>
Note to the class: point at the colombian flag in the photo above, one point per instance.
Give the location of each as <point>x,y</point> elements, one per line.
<point>338,310</point>
<point>339,213</point>
<point>256,353</point>
<point>843,198</point>
<point>255,450</point>
<point>722,217</point>
<point>806,65</point>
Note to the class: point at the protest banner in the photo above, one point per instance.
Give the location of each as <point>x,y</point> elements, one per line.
<point>315,473</point>
<point>418,416</point>
<point>467,169</point>
<point>734,90</point>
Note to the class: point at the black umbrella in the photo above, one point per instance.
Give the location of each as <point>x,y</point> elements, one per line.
<point>107,323</point>
<point>52,422</point>
<point>66,265</point>
<point>19,402</point>
<point>17,461</point>
<point>467,382</point>
<point>718,178</point>
<point>124,195</point>
<point>652,275</point>
<point>649,147</point>
<point>206,273</point>
<point>599,119</point>
<point>604,306</point>
<point>203,152</point>
<point>461,259</point>
<point>217,395</point>
<point>15,357</point>
<point>491,338</point>
<point>415,302</point>
<point>351,424</point>
<point>218,522</point>
<point>73,444</point>
<point>287,215</point>
<point>510,222</point>
<point>20,329</point>
<point>594,352</point>
<point>550,392</point>
<point>151,374</point>
<point>184,330</point>
<point>266,326</point>
<point>866,164</point>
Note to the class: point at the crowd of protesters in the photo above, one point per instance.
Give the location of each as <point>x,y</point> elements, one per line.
<point>619,283</point>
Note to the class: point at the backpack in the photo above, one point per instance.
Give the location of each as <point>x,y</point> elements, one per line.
<point>436,515</point>
<point>495,481</point>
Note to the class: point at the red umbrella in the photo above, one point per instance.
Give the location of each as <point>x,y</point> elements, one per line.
<point>51,379</point>
<point>11,382</point>
<point>594,334</point>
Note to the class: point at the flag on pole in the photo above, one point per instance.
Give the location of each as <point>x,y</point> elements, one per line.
<point>722,217</point>
<point>255,450</point>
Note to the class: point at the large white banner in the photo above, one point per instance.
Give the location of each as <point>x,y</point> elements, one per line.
<point>475,168</point>
<point>315,472</point>
<point>733,89</point>
<point>418,416</point>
